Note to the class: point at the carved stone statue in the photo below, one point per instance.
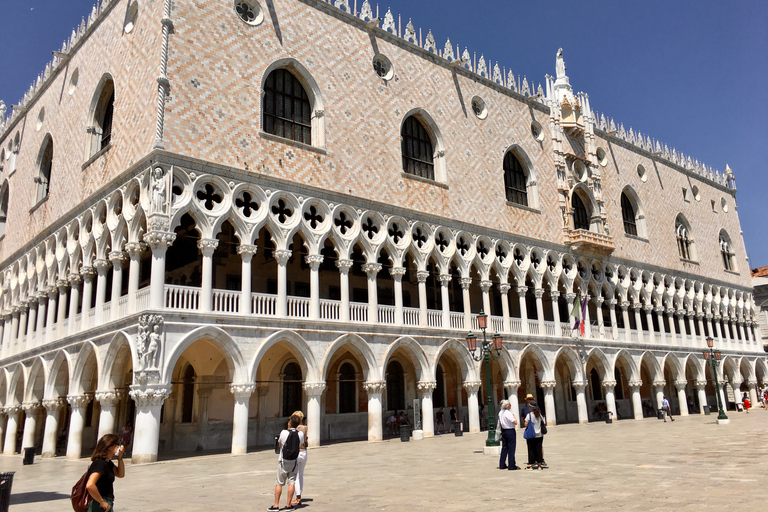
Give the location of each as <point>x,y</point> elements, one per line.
<point>158,190</point>
<point>560,66</point>
<point>149,340</point>
<point>2,112</point>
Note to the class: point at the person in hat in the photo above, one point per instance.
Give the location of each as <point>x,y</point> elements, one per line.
<point>535,452</point>
<point>526,408</point>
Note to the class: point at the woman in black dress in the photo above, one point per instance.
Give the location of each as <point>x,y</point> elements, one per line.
<point>102,472</point>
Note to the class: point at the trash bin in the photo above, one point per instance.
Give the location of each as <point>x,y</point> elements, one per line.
<point>660,414</point>
<point>609,419</point>
<point>6,481</point>
<point>458,430</point>
<point>405,433</point>
<point>29,455</point>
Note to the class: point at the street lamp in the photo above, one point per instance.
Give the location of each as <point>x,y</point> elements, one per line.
<point>489,349</point>
<point>713,356</point>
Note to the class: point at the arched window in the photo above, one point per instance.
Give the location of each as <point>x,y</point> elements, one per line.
<point>292,381</point>
<point>45,163</point>
<point>628,214</point>
<point>3,208</point>
<point>580,213</point>
<point>684,240</point>
<point>13,150</point>
<point>395,386</point>
<point>286,107</point>
<point>347,389</point>
<point>417,149</point>
<point>726,252</point>
<point>515,180</point>
<point>103,115</point>
<point>188,394</point>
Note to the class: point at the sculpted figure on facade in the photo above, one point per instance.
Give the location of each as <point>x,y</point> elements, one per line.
<point>149,340</point>
<point>158,190</point>
<point>560,65</point>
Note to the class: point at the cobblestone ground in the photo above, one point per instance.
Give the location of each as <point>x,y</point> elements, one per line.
<point>691,464</point>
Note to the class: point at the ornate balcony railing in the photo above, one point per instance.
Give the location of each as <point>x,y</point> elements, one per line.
<point>581,239</point>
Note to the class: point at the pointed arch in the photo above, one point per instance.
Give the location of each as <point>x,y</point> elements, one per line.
<point>222,340</point>
<point>101,115</point>
<point>17,380</point>
<point>605,368</point>
<point>78,371</point>
<point>61,362</point>
<point>426,149</point>
<point>573,362</point>
<point>520,179</point>
<point>422,367</point>
<point>459,350</point>
<point>36,370</point>
<point>633,213</point>
<point>656,368</point>
<point>629,361</point>
<point>541,362</point>
<point>697,364</point>
<point>110,359</point>
<point>361,348</point>
<point>686,246</point>
<point>294,340</point>
<point>678,370</point>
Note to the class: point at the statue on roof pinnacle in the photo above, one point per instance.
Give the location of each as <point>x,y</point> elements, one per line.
<point>560,67</point>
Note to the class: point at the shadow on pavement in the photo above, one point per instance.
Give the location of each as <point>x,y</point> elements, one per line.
<point>37,496</point>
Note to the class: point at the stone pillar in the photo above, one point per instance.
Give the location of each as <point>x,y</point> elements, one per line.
<point>246,253</point>
<point>425,389</point>
<point>710,330</point>
<point>79,404</point>
<point>741,330</point>
<point>512,386</point>
<point>13,411</point>
<point>88,273</point>
<point>637,401</point>
<point>727,329</point>
<point>444,299</point>
<point>371,271</point>
<point>3,423</point>
<point>612,312</point>
<point>555,296</point>
<point>314,261</point>
<point>31,411</point>
<point>15,313</point>
<point>75,282</point>
<point>504,290</point>
<point>472,405</point>
<point>701,390</point>
<point>625,316</point>
<point>344,266</point>
<point>758,334</point>
<point>521,291</point>
<point>581,401</point>
<point>660,317</point>
<point>649,321</point>
<point>146,437</point>
<point>539,293</point>
<point>465,282</point>
<point>31,323</point>
<point>636,307</point>
<point>682,398</point>
<point>63,286</point>
<point>108,401</point>
<point>702,332</point>
<point>207,247</point>
<point>51,320</point>
<point>50,437</point>
<point>314,392</point>
<point>101,267</point>
<point>282,258</point>
<point>374,389</point>
<point>134,250</point>
<point>692,328</point>
<point>681,322</point>
<point>609,387</point>
<point>600,320</point>
<point>658,386</point>
<point>242,394</point>
<point>42,303</point>
<point>549,401</point>
<point>672,333</point>
<point>23,309</point>
<point>204,391</point>
<point>753,393</point>
<point>158,242</point>
<point>422,276</point>
<point>736,385</point>
<point>397,274</point>
<point>485,286</point>
<point>117,258</point>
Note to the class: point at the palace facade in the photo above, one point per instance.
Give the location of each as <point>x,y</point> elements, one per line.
<point>214,213</point>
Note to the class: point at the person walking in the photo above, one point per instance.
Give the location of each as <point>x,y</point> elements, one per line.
<point>102,472</point>
<point>507,424</point>
<point>126,434</point>
<point>666,409</point>
<point>439,421</point>
<point>287,464</point>
<point>535,443</point>
<point>747,403</point>
<point>302,460</point>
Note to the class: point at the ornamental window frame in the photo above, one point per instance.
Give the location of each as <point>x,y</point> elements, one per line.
<point>44,168</point>
<point>531,186</point>
<point>726,251</point>
<point>686,246</point>
<point>636,217</point>
<point>101,117</point>
<point>434,133</point>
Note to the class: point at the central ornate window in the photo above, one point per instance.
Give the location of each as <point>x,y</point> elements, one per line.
<point>684,240</point>
<point>286,106</point>
<point>515,180</point>
<point>417,149</point>
<point>580,213</point>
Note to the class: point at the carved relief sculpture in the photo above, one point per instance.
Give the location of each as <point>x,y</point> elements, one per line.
<point>149,340</point>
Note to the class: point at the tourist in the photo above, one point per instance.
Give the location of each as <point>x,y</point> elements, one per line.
<point>535,444</point>
<point>507,424</point>
<point>765,399</point>
<point>526,408</point>
<point>126,433</point>
<point>102,472</point>
<point>666,409</point>
<point>403,420</point>
<point>440,421</point>
<point>393,423</point>
<point>747,403</point>
<point>302,460</point>
<point>287,467</point>
<point>483,423</point>
<point>454,419</point>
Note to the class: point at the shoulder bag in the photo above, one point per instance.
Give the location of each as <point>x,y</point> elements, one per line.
<point>80,496</point>
<point>529,432</point>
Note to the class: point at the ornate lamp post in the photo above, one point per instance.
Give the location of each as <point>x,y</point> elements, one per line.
<point>713,356</point>
<point>488,350</point>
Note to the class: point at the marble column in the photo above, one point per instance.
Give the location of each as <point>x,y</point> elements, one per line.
<point>23,310</point>
<point>14,413</point>
<point>549,401</point>
<point>314,392</point>
<point>504,290</point>
<point>539,293</point>
<point>727,329</point>
<point>581,401</point>
<point>485,287</point>
<point>521,291</point>
<point>371,271</point>
<point>31,411</point>
<point>117,258</point>
<point>702,392</point>
<point>692,328</point>
<point>53,409</point>
<point>344,266</point>
<point>374,390</point>
<point>63,286</point>
<point>612,312</point>
<point>101,267</point>
<point>263,391</point>
<point>637,306</point>
<point>246,253</point>
<point>672,333</point>
<point>682,398</point>
<point>736,385</point>
<point>637,401</point>
<point>397,274</point>
<point>204,392</point>
<point>134,250</point>
<point>421,277</point>
<point>465,283</point>
<point>31,323</point>
<point>649,320</point>
<point>242,394</point>
<point>710,329</point>
<point>702,332</point>
<point>79,404</point>
<point>75,282</point>
<point>3,424</point>
<point>42,310</point>
<point>555,296</point>
<point>753,393</point>
<point>625,316</point>
<point>146,436</point>
<point>512,386</point>
<point>660,317</point>
<point>600,320</point>
<point>445,279</point>
<point>108,401</point>
<point>425,389</point>
<point>314,261</point>
<point>158,242</point>
<point>472,388</point>
<point>207,247</point>
<point>681,323</point>
<point>88,274</point>
<point>658,387</point>
<point>15,313</point>
<point>742,336</point>
<point>609,387</point>
<point>282,257</point>
<point>50,321</point>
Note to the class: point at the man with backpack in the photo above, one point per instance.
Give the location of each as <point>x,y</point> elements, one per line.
<point>287,464</point>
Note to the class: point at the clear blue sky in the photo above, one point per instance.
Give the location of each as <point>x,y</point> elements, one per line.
<point>692,74</point>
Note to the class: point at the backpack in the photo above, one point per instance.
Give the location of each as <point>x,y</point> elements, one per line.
<point>80,496</point>
<point>291,446</point>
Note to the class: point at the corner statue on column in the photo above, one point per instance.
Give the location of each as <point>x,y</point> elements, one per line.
<point>149,341</point>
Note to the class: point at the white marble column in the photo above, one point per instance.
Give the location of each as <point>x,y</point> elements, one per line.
<point>581,401</point>
<point>50,321</point>
<point>374,390</point>
<point>314,392</point>
<point>672,333</point>
<point>742,336</point>
<point>658,387</point>
<point>158,242</point>
<point>637,401</point>
<point>75,282</point>
<point>314,261</point>
<point>42,310</point>
<point>117,258</point>
<point>207,247</point>
<point>262,390</point>
<point>485,288</point>
<point>242,394</point>
<point>555,296</point>
<point>504,290</point>
<point>692,328</point>
<point>512,386</point>
<point>134,250</point>
<point>682,398</point>
<point>625,316</point>
<point>636,307</point>
<point>15,312</point>
<point>702,392</point>
<point>31,411</point>
<point>282,258</point>
<point>736,385</point>
<point>660,317</point>
<point>108,401</point>
<point>246,253</point>
<point>445,279</point>
<point>612,312</point>
<point>397,274</point>
<point>649,320</point>
<point>3,424</point>
<point>344,266</point>
<point>14,413</point>
<point>23,310</point>
<point>101,267</point>
<point>710,329</point>
<point>472,388</point>
<point>465,283</point>
<point>88,274</point>
<point>569,299</point>
<point>371,271</point>
<point>79,404</point>
<point>521,291</point>
<point>681,323</point>
<point>146,436</point>
<point>539,293</point>
<point>549,401</point>
<point>753,393</point>
<point>53,409</point>
<point>63,286</point>
<point>609,387</point>
<point>31,323</point>
<point>425,389</point>
<point>600,320</point>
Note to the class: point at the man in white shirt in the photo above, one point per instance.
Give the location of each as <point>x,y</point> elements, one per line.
<point>287,469</point>
<point>507,424</point>
<point>667,410</point>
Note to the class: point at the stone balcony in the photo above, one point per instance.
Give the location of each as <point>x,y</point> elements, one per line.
<point>588,241</point>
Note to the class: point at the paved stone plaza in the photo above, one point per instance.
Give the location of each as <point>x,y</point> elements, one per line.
<point>691,464</point>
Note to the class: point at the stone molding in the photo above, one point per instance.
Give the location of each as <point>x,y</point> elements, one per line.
<point>548,384</point>
<point>375,387</point>
<point>150,397</point>
<point>314,389</point>
<point>78,401</point>
<point>608,384</point>
<point>109,398</point>
<point>472,386</point>
<point>426,387</point>
<point>53,405</point>
<point>241,391</point>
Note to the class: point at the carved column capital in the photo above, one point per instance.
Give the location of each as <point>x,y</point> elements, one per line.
<point>680,384</point>
<point>149,397</point>
<point>207,246</point>
<point>159,239</point>
<point>53,404</point>
<point>659,383</point>
<point>109,398</point>
<point>134,249</point>
<point>554,294</point>
<point>375,387</point>
<point>397,272</point>
<point>634,384</point>
<point>608,384</point>
<point>538,293</point>
<point>465,282</point>
<point>426,387</point>
<point>87,272</point>
<point>62,285</point>
<point>579,385</point>
<point>422,276</point>
<point>522,290</point>
<point>444,279</point>
<point>78,401</point>
<point>599,300</point>
<point>548,384</point>
<point>624,305</point>
<point>511,386</point>
<point>74,279</point>
<point>31,408</point>
<point>116,257</point>
<point>504,288</point>
<point>282,256</point>
<point>101,266</point>
<point>344,265</point>
<point>13,409</point>
<point>570,296</point>
<point>314,389</point>
<point>701,384</point>
<point>314,260</point>
<point>241,391</point>
<point>372,269</point>
<point>472,386</point>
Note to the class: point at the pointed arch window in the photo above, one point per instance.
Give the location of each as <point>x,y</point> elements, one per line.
<point>417,149</point>
<point>580,213</point>
<point>286,107</point>
<point>3,208</point>
<point>726,252</point>
<point>45,164</point>
<point>628,214</point>
<point>515,180</point>
<point>103,116</point>
<point>684,241</point>
<point>292,381</point>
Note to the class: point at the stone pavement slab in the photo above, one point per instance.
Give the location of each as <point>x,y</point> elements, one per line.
<point>691,464</point>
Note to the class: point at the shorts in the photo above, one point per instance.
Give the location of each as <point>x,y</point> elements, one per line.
<point>284,476</point>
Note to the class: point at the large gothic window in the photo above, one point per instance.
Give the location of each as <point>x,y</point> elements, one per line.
<point>45,163</point>
<point>292,382</point>
<point>395,386</point>
<point>347,389</point>
<point>515,180</point>
<point>628,214</point>
<point>102,116</point>
<point>417,149</point>
<point>726,252</point>
<point>580,214</point>
<point>3,208</point>
<point>684,240</point>
<point>286,107</point>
